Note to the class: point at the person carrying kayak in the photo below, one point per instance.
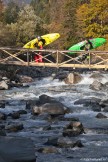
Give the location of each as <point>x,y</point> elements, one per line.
<point>39,45</point>
<point>88,45</point>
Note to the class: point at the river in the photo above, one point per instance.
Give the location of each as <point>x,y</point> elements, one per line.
<point>95,140</point>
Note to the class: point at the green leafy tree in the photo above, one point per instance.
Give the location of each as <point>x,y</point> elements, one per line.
<point>28,25</point>
<point>11,13</point>
<point>50,13</point>
<point>42,9</point>
<point>1,10</point>
<point>7,35</point>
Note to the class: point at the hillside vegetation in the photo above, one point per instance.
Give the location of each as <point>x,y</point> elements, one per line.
<point>74,20</point>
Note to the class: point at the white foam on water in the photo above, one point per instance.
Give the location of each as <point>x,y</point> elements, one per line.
<point>40,87</point>
<point>49,82</point>
<point>82,112</point>
<point>20,95</point>
<point>88,80</point>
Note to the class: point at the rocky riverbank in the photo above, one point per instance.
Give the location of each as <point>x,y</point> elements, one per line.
<point>54,120</point>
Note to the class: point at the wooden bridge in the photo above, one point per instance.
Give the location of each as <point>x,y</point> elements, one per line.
<point>54,58</point>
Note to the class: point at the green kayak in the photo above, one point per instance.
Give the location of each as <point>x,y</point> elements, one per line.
<point>95,42</point>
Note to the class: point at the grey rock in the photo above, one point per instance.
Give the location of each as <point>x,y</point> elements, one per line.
<point>3,85</point>
<point>68,142</point>
<point>47,150</point>
<point>96,85</point>
<point>50,108</point>
<point>3,116</point>
<point>73,129</point>
<point>14,127</point>
<point>100,116</point>
<point>73,78</point>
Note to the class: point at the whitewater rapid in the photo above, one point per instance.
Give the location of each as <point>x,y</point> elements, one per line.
<point>95,140</point>
<point>54,88</point>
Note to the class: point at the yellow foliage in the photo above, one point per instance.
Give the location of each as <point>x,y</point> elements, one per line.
<point>92,19</point>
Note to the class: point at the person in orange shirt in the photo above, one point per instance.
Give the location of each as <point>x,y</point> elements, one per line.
<point>39,44</point>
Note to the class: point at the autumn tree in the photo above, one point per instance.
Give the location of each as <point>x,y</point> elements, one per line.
<point>56,21</point>
<point>59,16</point>
<point>70,25</point>
<point>63,20</point>
<point>93,18</point>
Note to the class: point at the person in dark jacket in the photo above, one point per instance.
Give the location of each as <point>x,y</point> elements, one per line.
<point>88,46</point>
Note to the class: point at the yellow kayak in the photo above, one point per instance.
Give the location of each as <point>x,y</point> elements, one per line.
<point>49,38</point>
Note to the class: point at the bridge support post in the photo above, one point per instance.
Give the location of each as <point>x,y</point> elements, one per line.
<point>57,61</point>
<point>28,58</point>
<point>89,59</point>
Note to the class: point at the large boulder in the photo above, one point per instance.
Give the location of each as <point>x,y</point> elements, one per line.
<point>6,80</point>
<point>3,85</point>
<point>46,99</point>
<point>97,76</point>
<point>87,101</point>
<point>73,129</point>
<point>93,103</point>
<point>24,79</point>
<point>104,103</point>
<point>67,142</point>
<point>100,116</point>
<point>47,150</point>
<point>96,85</point>
<point>43,99</point>
<point>50,108</point>
<point>61,76</point>
<point>63,142</point>
<point>73,78</point>
<point>14,127</point>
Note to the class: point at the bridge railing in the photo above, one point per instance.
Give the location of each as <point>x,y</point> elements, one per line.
<point>54,58</point>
